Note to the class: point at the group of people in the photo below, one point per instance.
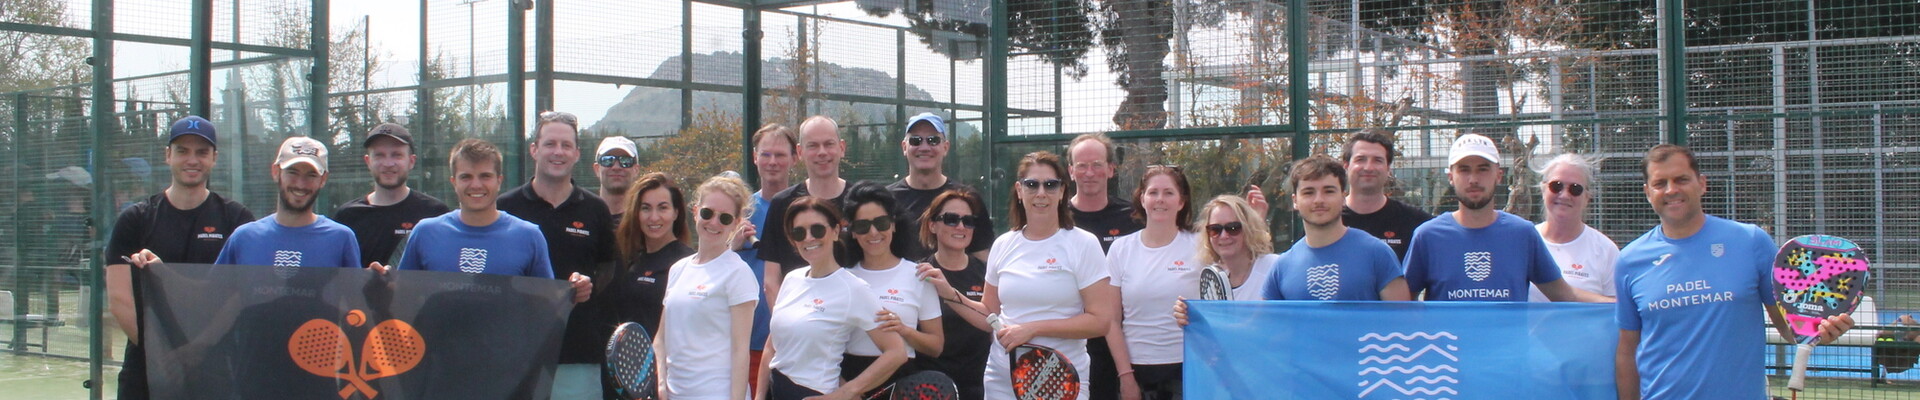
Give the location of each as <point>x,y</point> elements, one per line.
<point>861,283</point>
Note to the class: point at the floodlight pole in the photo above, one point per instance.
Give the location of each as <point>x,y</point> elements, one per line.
<point>516,88</point>
<point>750,87</point>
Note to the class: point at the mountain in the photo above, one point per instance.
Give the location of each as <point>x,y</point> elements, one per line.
<point>652,112</point>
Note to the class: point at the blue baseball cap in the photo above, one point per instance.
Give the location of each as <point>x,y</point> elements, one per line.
<point>192,125</point>
<point>938,124</point>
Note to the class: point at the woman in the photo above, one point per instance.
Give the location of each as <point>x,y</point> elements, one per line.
<point>1237,240</point>
<point>1046,280</point>
<point>707,315</point>
<point>816,314</point>
<point>909,306</point>
<point>1152,268</point>
<point>949,225</point>
<point>652,235</point>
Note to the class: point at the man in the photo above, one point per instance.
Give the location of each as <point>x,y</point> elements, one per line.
<point>925,146</point>
<point>1478,253</point>
<point>821,149</point>
<point>382,219</point>
<point>1692,292</point>
<point>615,166</point>
<point>478,238</point>
<point>579,232</point>
<point>1345,261</point>
<point>1585,255</point>
<point>186,223</point>
<point>1090,165</point>
<point>1369,162</point>
<point>294,236</point>
<point>773,148</point>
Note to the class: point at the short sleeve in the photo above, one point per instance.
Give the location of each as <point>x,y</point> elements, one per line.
<point>350,249</point>
<point>1544,268</point>
<point>1415,265</point>
<point>410,255</point>
<point>229,249</point>
<point>860,309</point>
<point>127,231</point>
<point>982,234</point>
<point>741,287</point>
<point>1385,267</point>
<point>929,301</point>
<point>1093,262</point>
<point>1626,311</point>
<point>996,260</point>
<point>777,248</point>
<point>1610,257</point>
<point>542,266</point>
<point>1271,290</point>
<point>1763,253</point>
<point>1116,272</point>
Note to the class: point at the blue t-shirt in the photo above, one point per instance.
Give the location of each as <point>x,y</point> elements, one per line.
<point>1698,303</point>
<point>1355,267</point>
<point>264,241</point>
<point>508,246</point>
<point>759,267</point>
<point>1491,263</point>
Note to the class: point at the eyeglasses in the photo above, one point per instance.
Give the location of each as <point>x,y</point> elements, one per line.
<point>929,140</point>
<point>862,226</point>
<point>1574,189</point>
<point>799,233</point>
<point>1231,228</point>
<point>957,220</point>
<point>609,160</point>
<point>1051,185</point>
<point>707,214</point>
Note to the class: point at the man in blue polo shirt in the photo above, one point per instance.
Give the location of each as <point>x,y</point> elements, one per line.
<point>294,236</point>
<point>1478,253</point>
<point>1691,295</point>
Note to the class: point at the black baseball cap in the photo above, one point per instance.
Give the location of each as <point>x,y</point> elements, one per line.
<point>192,125</point>
<point>392,130</point>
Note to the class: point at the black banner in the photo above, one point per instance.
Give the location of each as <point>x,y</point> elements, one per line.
<point>255,332</point>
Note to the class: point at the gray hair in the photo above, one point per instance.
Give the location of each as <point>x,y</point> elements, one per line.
<point>1581,164</point>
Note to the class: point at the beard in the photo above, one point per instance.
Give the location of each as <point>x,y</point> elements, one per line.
<point>287,204</point>
<point>1470,204</point>
<point>398,183</point>
<point>615,190</point>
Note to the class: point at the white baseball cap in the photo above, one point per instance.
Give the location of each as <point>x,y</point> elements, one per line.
<point>1473,145</point>
<point>302,149</point>
<point>617,142</point>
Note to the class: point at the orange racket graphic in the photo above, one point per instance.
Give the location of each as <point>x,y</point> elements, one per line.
<point>392,348</point>
<point>320,347</point>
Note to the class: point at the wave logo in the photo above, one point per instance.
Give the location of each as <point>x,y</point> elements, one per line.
<point>286,263</point>
<point>1409,364</point>
<point>1479,265</point>
<point>1323,282</point>
<point>472,260</point>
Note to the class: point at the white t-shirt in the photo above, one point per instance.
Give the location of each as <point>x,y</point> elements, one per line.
<point>1586,262</point>
<point>1251,290</point>
<point>1150,279</point>
<point>698,325</point>
<point>1040,280</point>
<point>900,291</point>
<point>814,320</point>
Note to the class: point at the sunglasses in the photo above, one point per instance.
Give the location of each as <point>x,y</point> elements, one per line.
<point>957,220</point>
<point>883,223</point>
<point>1231,228</point>
<point>1035,184</point>
<point>799,233</point>
<point>609,160</point>
<point>928,140</point>
<point>1574,189</point>
<point>707,214</point>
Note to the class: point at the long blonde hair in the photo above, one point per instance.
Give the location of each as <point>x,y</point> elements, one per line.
<point>734,189</point>
<point>1254,232</point>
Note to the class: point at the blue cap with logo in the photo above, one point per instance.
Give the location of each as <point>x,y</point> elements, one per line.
<point>931,119</point>
<point>192,125</point>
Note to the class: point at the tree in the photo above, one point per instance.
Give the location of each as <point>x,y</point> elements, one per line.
<point>709,145</point>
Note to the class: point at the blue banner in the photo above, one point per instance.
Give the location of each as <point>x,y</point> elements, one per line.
<point>1399,350</point>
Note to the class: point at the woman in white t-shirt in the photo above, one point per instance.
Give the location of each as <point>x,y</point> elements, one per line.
<point>1237,240</point>
<point>707,313</point>
<point>1046,280</point>
<point>909,306</point>
<point>1153,268</point>
<point>1585,255</point>
<point>819,309</point>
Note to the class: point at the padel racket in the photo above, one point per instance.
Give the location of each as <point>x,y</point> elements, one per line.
<point>393,347</point>
<point>923,385</point>
<point>393,260</point>
<point>1816,276</point>
<point>630,362</point>
<point>1214,284</point>
<point>320,347</point>
<point>1042,373</point>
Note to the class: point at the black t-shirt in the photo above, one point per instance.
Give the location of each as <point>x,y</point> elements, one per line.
<point>1393,224</point>
<point>910,204</point>
<point>579,239</point>
<point>175,235</point>
<point>636,292</point>
<point>1109,223</point>
<point>778,249</point>
<point>380,228</point>
<point>964,356</point>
